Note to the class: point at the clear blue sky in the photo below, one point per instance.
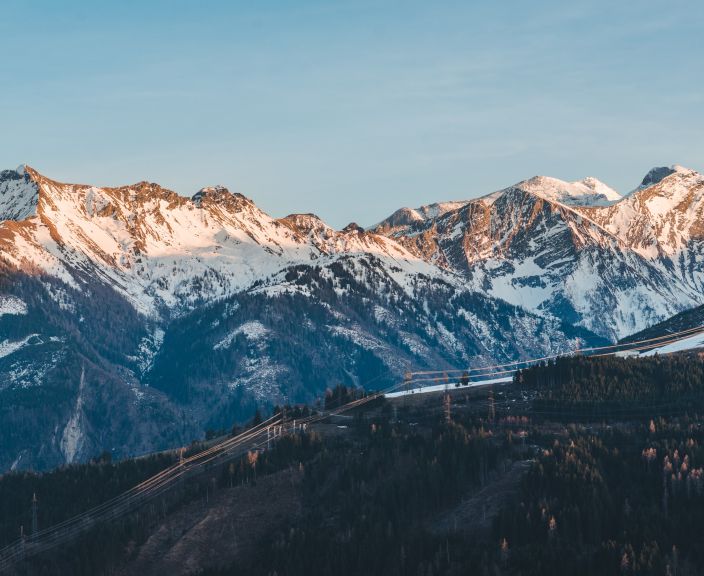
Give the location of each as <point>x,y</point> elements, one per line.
<point>350,109</point>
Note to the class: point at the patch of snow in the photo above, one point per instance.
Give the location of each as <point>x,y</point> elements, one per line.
<point>12,305</point>
<point>691,343</point>
<point>262,378</point>
<point>148,349</point>
<point>451,386</point>
<point>138,393</point>
<point>358,337</point>
<point>8,347</point>
<point>414,344</point>
<point>16,462</point>
<point>254,331</point>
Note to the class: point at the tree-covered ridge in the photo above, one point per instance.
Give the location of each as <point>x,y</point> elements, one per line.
<point>369,495</point>
<point>400,486</point>
<point>621,383</point>
<point>623,501</point>
<point>367,509</point>
<point>68,491</point>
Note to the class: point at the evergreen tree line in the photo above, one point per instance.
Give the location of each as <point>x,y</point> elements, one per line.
<point>68,491</point>
<point>627,500</point>
<point>369,502</point>
<point>614,386</point>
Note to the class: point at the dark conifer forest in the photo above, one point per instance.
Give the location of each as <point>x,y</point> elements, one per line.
<point>581,466</point>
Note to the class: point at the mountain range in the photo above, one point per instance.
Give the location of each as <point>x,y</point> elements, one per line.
<point>134,318</point>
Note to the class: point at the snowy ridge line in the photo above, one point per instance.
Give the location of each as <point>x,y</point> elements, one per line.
<point>151,245</point>
<point>581,245</point>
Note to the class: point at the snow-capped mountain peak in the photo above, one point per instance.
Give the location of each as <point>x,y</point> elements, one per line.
<point>586,192</point>
<point>220,195</point>
<point>662,218</point>
<point>307,223</point>
<point>406,216</point>
<point>659,173</point>
<point>655,175</point>
<point>310,228</point>
<point>568,248</point>
<point>163,250</point>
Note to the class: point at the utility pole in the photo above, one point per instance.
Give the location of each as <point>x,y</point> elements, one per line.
<point>492,407</point>
<point>578,351</point>
<point>447,406</point>
<point>407,377</point>
<point>34,515</point>
<point>446,399</point>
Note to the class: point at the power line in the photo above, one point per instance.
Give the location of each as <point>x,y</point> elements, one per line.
<point>625,347</point>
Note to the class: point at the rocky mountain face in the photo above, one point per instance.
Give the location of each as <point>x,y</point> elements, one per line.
<point>575,250</point>
<point>133,318</point>
<point>162,252</point>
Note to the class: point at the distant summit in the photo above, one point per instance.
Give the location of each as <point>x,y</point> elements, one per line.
<point>656,174</point>
<point>587,192</point>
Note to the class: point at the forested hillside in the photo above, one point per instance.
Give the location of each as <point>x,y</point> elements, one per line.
<point>582,466</point>
<point>614,385</point>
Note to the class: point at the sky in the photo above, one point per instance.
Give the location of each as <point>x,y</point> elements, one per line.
<point>350,109</point>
